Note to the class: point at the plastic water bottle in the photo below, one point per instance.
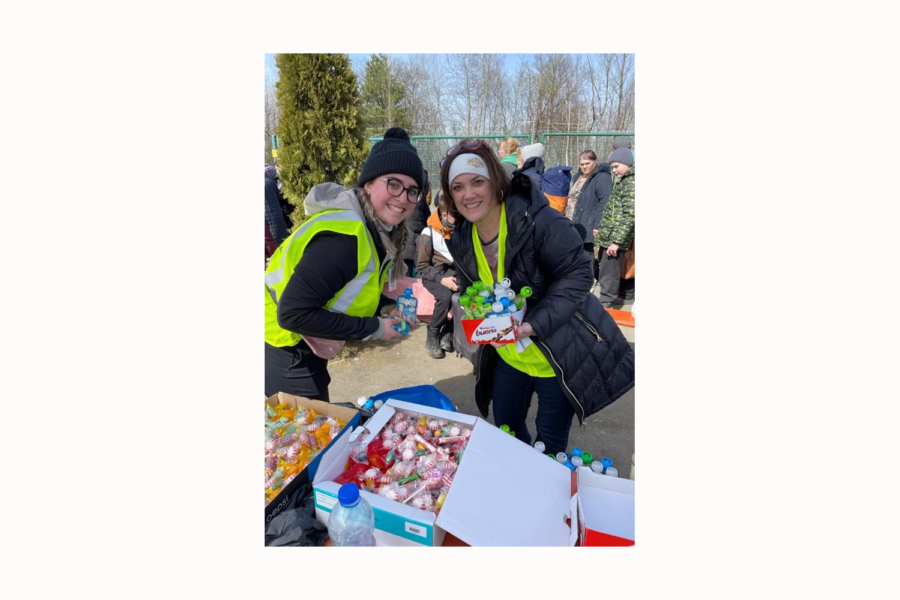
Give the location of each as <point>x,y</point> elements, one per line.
<point>407,305</point>
<point>352,522</point>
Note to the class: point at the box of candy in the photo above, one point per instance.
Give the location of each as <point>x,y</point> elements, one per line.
<point>297,431</point>
<point>427,472</point>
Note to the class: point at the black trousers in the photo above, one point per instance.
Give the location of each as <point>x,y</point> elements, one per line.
<point>610,272</point>
<point>296,370</point>
<point>589,248</point>
<point>443,298</point>
<point>626,288</point>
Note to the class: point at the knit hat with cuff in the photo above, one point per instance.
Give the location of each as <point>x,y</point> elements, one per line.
<point>394,154</point>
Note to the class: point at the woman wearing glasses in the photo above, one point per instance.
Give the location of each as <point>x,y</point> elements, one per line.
<point>571,351</point>
<point>325,281</point>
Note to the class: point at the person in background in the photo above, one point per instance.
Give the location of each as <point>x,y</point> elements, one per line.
<point>570,351</point>
<point>435,267</point>
<point>531,163</point>
<point>415,224</point>
<point>626,286</point>
<point>510,161</point>
<point>587,199</point>
<point>531,150</point>
<point>325,281</point>
<point>278,211</point>
<point>501,150</point>
<point>617,226</point>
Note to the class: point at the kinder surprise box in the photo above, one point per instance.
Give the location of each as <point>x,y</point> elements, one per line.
<point>500,330</point>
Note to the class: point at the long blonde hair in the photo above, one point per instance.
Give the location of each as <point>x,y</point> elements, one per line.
<point>393,243</point>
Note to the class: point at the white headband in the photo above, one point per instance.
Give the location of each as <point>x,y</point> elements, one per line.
<point>468,163</point>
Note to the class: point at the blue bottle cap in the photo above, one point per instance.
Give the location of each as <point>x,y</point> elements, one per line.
<point>569,464</point>
<point>504,301</point>
<point>348,495</point>
<point>607,463</point>
<point>407,292</point>
<point>576,451</point>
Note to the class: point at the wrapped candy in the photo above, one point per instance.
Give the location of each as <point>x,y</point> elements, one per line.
<point>390,492</point>
<point>376,453</point>
<point>293,451</point>
<point>352,474</point>
<point>401,469</point>
<point>392,441</point>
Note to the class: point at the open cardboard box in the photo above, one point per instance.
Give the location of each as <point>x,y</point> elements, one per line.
<point>348,415</point>
<point>605,509</point>
<point>485,331</point>
<point>504,492</point>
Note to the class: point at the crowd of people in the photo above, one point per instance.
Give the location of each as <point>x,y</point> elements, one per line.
<point>325,280</point>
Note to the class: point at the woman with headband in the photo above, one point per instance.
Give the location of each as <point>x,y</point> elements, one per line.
<point>570,350</point>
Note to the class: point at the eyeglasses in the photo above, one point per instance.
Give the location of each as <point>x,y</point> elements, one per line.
<point>471,145</point>
<point>395,188</point>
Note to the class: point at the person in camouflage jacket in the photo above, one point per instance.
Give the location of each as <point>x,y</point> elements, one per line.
<point>617,225</point>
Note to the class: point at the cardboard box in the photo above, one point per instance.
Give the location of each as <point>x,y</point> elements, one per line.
<point>485,331</point>
<point>504,492</point>
<point>605,509</point>
<point>349,416</point>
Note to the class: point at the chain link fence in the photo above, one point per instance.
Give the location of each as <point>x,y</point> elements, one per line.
<point>565,148</point>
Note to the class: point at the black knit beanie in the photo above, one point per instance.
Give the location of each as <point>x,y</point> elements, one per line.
<point>394,154</point>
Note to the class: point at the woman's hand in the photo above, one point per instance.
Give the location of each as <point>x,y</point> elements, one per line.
<point>449,282</point>
<point>613,248</point>
<point>522,331</point>
<point>389,333</point>
<point>595,232</point>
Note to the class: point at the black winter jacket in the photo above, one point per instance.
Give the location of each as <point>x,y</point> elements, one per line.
<point>415,223</point>
<point>278,210</point>
<point>592,200</point>
<point>593,361</point>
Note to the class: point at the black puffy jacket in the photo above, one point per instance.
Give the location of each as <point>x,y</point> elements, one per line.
<point>415,223</point>
<point>592,200</point>
<point>593,361</point>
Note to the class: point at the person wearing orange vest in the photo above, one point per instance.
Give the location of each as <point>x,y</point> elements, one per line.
<point>324,282</point>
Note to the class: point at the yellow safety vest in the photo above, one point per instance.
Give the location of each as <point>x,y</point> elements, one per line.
<point>359,298</point>
<point>531,360</point>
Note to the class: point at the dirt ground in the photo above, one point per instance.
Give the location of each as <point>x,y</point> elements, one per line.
<point>373,367</point>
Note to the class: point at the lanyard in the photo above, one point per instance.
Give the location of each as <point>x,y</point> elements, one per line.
<point>484,269</point>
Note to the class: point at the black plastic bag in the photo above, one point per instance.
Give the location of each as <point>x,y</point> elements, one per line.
<point>297,526</point>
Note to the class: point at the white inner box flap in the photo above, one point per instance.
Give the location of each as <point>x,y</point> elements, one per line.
<point>506,493</point>
<point>607,504</point>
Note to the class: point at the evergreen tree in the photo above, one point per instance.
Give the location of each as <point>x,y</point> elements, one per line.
<point>320,128</point>
<point>383,95</point>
